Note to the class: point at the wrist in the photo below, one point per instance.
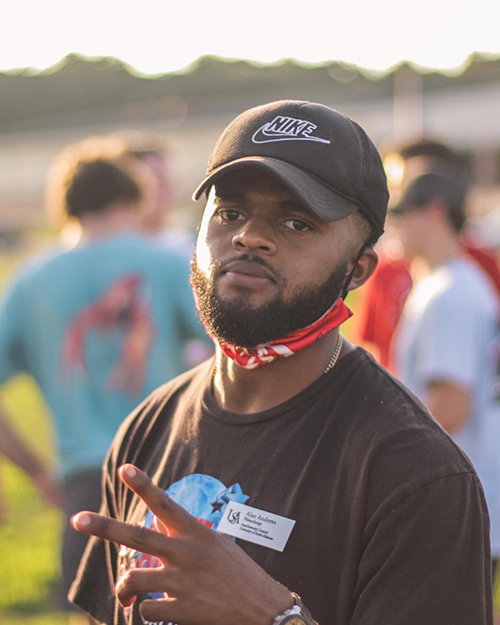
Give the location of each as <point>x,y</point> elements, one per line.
<point>297,614</point>
<point>272,604</point>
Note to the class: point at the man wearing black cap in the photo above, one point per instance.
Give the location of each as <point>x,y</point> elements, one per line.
<point>290,470</point>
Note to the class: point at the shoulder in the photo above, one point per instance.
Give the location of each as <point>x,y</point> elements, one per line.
<point>464,278</point>
<point>131,245</point>
<point>388,400</point>
<point>460,285</point>
<point>142,430</point>
<point>30,272</point>
<point>164,260</point>
<point>399,443</point>
<point>152,246</point>
<point>114,255</point>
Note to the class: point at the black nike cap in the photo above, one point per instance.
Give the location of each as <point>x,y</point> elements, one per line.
<point>321,155</point>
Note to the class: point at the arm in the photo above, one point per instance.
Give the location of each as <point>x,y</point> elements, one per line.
<point>449,404</point>
<point>15,449</point>
<point>451,348</point>
<point>14,322</point>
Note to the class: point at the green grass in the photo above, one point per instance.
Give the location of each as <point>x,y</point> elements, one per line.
<point>30,535</point>
<point>47,618</point>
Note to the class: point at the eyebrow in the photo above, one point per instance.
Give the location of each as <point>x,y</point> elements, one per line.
<point>240,196</point>
<point>294,205</point>
<point>234,196</point>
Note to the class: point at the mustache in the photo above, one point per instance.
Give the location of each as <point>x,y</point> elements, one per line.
<point>253,258</point>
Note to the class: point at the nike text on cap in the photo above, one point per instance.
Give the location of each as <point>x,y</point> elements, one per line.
<point>322,156</point>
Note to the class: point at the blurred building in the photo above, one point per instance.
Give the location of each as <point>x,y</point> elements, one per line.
<point>40,113</point>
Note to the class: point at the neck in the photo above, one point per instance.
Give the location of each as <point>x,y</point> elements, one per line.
<point>243,391</point>
<point>116,220</point>
<point>442,249</point>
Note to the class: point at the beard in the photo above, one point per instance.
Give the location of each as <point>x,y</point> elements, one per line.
<point>237,322</point>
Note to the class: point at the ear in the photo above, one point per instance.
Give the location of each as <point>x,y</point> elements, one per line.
<point>364,268</point>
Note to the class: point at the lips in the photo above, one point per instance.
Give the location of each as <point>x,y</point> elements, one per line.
<point>248,268</point>
<point>247,274</point>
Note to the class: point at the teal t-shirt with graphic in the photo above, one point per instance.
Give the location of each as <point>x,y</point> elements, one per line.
<point>99,327</point>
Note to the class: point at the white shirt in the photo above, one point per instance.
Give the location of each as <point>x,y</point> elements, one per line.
<point>449,331</point>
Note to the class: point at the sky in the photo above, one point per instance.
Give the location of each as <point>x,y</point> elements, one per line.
<point>158,36</point>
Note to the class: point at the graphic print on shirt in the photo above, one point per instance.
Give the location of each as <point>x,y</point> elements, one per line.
<point>203,496</point>
<point>121,308</point>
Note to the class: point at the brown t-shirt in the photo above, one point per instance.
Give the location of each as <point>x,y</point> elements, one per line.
<point>391,525</point>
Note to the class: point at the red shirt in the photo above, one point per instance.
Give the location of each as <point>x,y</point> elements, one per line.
<point>383,298</point>
<point>487,260</point>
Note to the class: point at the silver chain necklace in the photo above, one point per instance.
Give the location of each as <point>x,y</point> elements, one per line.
<point>336,352</point>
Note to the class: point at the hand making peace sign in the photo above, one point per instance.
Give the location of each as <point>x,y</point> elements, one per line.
<point>206,577</point>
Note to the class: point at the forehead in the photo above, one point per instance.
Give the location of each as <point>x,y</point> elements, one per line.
<point>251,181</point>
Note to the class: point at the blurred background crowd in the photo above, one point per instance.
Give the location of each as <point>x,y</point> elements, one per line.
<point>138,145</point>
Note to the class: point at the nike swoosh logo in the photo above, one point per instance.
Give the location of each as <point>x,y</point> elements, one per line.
<point>265,136</point>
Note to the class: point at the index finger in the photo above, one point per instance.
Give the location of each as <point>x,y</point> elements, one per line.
<point>178,521</point>
<point>135,537</point>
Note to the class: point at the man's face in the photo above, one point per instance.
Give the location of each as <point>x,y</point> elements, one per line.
<point>264,266</point>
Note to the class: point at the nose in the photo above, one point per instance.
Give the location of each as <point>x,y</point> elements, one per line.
<point>255,235</point>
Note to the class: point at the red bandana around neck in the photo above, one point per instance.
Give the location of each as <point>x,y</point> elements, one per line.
<point>255,357</point>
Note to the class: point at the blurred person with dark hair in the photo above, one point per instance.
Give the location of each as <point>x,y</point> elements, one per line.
<point>429,155</point>
<point>383,298</point>
<point>98,326</point>
<point>426,155</point>
<point>446,345</point>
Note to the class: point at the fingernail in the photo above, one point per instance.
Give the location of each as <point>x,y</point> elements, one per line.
<point>82,520</point>
<point>129,470</point>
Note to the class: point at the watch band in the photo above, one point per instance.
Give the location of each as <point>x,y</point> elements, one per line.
<point>297,614</point>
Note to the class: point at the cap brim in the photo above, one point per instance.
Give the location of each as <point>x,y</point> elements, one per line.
<point>320,200</point>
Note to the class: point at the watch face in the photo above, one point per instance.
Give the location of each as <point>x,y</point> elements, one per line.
<point>294,619</point>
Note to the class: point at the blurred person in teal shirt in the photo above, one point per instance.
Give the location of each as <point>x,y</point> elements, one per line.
<point>99,326</point>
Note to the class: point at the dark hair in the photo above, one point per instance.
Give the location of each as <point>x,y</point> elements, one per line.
<point>96,185</point>
<point>90,177</point>
<point>433,186</point>
<point>446,161</point>
<point>429,147</point>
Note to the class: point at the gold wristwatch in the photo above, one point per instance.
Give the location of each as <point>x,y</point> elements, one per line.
<point>298,614</point>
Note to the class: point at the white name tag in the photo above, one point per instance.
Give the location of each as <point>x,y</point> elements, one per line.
<point>256,526</point>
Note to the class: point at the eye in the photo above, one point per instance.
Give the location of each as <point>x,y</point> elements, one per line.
<point>297,225</point>
<point>228,214</point>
